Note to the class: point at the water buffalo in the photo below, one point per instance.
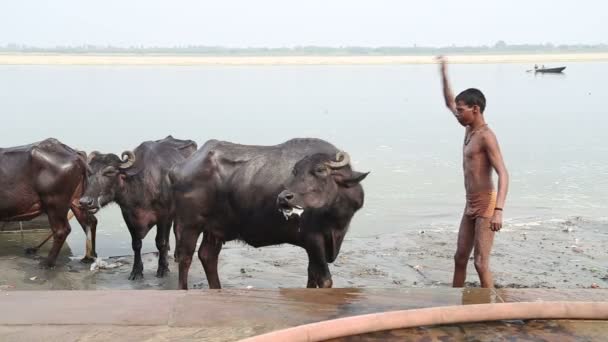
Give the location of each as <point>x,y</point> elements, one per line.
<point>46,177</point>
<point>302,192</point>
<point>137,183</point>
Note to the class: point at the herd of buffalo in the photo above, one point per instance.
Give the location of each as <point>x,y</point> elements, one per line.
<point>302,192</point>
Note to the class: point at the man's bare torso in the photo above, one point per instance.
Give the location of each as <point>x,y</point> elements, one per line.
<point>476,163</point>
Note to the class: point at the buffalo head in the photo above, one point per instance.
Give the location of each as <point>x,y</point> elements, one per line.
<point>107,176</point>
<point>316,181</point>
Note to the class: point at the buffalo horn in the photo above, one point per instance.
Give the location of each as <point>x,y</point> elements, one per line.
<point>128,159</point>
<point>91,156</point>
<point>342,159</point>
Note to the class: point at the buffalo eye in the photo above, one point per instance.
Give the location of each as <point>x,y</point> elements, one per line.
<point>321,170</point>
<point>110,172</point>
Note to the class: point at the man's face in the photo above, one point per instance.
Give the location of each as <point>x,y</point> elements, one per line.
<point>466,114</point>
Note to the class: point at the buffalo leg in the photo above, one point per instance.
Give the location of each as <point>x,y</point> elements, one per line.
<point>208,253</point>
<point>138,232</point>
<point>318,270</point>
<point>176,234</point>
<point>138,266</point>
<point>88,223</point>
<point>163,228</point>
<point>185,250</point>
<point>312,282</point>
<point>61,229</point>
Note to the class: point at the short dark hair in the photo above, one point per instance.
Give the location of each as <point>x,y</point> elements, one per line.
<point>473,97</point>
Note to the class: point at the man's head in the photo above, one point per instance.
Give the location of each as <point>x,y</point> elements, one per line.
<point>469,104</point>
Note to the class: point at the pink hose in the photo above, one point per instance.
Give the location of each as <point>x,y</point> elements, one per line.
<point>362,324</point>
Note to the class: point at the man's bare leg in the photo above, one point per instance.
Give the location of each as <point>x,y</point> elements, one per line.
<point>484,238</point>
<point>466,239</point>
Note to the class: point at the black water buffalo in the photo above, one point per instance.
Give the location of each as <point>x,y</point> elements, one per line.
<point>138,184</point>
<point>302,192</point>
<point>46,177</point>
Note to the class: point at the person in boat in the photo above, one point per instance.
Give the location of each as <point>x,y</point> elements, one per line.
<point>482,215</point>
<point>535,66</point>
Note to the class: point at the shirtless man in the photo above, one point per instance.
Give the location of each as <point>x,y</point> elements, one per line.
<point>483,211</point>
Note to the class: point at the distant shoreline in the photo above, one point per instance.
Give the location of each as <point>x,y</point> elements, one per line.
<point>194,60</point>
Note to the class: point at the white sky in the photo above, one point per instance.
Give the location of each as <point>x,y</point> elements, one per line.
<point>279,23</point>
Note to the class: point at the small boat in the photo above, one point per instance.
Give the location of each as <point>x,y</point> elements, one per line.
<point>550,70</point>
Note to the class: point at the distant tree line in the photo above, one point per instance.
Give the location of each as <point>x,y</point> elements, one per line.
<point>499,48</point>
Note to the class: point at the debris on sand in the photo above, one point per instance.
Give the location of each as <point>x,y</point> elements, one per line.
<point>418,269</point>
<point>370,272</point>
<point>100,264</point>
<point>577,249</point>
<point>200,285</point>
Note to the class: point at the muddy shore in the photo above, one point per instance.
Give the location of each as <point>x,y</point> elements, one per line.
<point>551,254</point>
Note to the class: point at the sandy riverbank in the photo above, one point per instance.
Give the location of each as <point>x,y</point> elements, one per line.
<point>177,60</point>
<point>549,254</point>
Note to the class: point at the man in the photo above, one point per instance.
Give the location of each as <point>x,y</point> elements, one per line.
<point>484,206</point>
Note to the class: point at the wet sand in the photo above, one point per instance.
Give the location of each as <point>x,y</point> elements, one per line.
<point>184,60</point>
<point>550,254</point>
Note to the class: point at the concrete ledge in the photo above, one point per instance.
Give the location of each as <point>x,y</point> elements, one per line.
<point>224,315</point>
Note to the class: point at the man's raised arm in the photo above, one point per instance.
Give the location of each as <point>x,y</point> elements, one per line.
<point>447,91</point>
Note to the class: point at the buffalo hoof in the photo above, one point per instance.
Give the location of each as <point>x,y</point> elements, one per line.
<point>46,264</point>
<point>326,284</point>
<point>87,260</point>
<point>31,250</point>
<point>162,272</point>
<point>136,275</point>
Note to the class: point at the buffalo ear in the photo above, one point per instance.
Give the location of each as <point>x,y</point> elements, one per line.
<point>122,178</point>
<point>350,180</point>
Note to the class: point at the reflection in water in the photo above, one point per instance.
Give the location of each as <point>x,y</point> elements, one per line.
<point>332,302</point>
<point>479,296</point>
<point>556,75</point>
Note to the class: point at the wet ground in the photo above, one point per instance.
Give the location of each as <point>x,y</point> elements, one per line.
<point>552,254</point>
<point>232,314</point>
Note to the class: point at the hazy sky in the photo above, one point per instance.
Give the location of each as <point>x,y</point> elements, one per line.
<point>276,23</point>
